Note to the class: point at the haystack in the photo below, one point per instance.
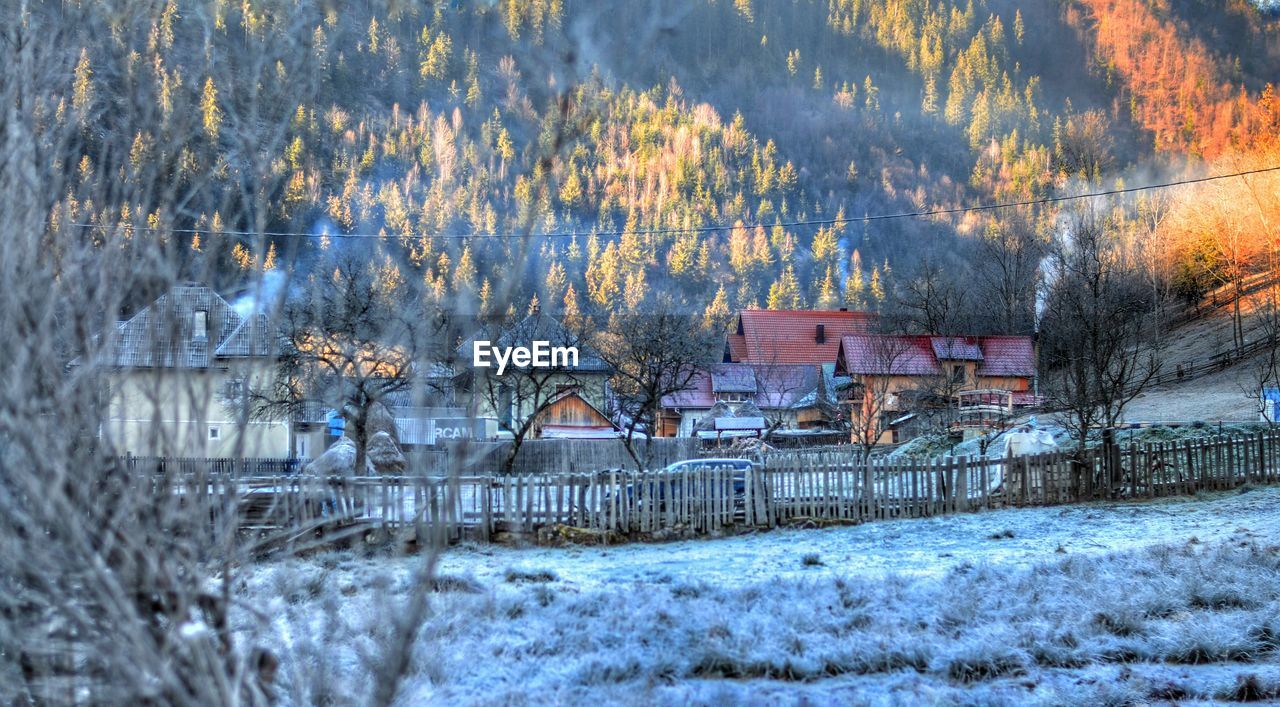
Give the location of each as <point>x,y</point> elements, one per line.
<point>385,455</point>
<point>338,460</point>
<point>708,421</point>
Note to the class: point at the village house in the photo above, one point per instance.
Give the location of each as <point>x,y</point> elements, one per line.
<point>783,397</point>
<point>568,415</point>
<point>176,366</point>
<point>780,362</point>
<point>578,391</point>
<point>911,372</point>
<point>792,336</point>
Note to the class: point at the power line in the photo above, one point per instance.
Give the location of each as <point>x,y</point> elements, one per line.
<point>926,213</point>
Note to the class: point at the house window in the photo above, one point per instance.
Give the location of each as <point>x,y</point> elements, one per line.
<point>200,326</point>
<point>957,373</point>
<point>215,433</point>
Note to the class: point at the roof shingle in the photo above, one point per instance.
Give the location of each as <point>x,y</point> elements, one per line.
<point>901,355</point>
<point>163,334</point>
<point>784,336</point>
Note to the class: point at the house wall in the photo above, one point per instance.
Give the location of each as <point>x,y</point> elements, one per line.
<point>572,411</point>
<point>591,386</point>
<point>1016,385</point>
<point>689,418</point>
<point>898,384</point>
<point>181,413</point>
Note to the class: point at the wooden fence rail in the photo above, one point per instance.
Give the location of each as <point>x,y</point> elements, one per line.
<point>823,486</point>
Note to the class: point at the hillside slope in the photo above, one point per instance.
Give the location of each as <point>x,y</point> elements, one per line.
<point>1228,394</point>
<point>459,135</point>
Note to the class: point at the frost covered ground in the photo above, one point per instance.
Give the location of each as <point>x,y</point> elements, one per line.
<point>1171,600</point>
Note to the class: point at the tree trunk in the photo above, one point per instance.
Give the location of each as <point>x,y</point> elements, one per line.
<point>509,464</point>
<point>360,437</point>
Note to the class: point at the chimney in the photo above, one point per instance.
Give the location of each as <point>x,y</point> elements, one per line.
<point>821,336</point>
<point>844,309</point>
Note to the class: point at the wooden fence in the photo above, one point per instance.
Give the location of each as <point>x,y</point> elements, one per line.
<point>550,455</point>
<point>787,487</point>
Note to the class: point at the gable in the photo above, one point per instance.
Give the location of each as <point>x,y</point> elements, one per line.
<point>167,333</point>
<point>811,337</point>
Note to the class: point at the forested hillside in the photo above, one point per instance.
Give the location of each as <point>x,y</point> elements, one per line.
<point>612,141</point>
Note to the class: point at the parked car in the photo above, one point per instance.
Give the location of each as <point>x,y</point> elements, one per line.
<point>735,481</point>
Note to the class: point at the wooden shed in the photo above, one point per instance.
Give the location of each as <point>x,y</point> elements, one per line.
<point>570,416</point>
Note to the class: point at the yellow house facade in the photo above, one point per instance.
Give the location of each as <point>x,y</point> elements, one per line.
<point>177,372</point>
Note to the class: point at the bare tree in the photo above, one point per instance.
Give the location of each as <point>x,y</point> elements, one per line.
<point>1093,346</point>
<point>651,355</point>
<point>779,386</point>
<point>345,342</point>
<point>1009,259</point>
<point>129,599</point>
<point>1263,372</point>
<point>873,397</point>
<point>934,302</point>
<point>517,395</point>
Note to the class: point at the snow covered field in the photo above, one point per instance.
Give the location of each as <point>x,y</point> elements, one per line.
<point>1176,599</point>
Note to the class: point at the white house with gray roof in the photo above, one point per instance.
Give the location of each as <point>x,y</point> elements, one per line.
<point>176,367</point>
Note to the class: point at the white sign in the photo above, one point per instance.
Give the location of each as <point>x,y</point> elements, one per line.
<point>541,354</point>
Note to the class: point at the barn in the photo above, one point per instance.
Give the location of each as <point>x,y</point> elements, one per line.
<point>568,415</point>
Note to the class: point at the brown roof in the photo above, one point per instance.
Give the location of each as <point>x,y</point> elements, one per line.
<point>775,336</point>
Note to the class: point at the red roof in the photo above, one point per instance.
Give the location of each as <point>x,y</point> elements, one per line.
<point>776,336</point>
<point>881,354</point>
<point>769,387</point>
<point>956,348</point>
<point>1007,356</point>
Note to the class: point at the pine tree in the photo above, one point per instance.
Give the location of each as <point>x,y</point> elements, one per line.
<point>635,290</point>
<point>373,36</point>
<point>486,298</point>
<point>716,315</point>
<point>571,311</point>
<point>464,276</point>
<point>241,255</point>
<point>556,279</point>
<point>602,278</point>
<point>761,253</point>
<point>434,59</point>
<point>681,257</point>
<point>854,287</point>
<point>785,291</point>
<point>829,289</point>
<point>209,110</point>
<point>82,86</point>
<point>929,104</point>
<point>877,289</point>
<point>825,248</point>
<point>571,189</point>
